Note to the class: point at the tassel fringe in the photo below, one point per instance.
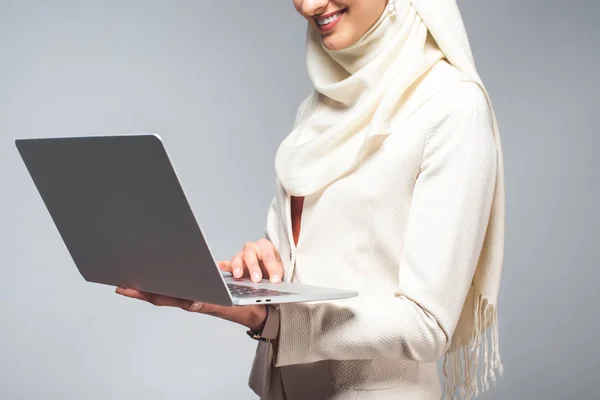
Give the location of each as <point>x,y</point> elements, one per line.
<point>464,375</point>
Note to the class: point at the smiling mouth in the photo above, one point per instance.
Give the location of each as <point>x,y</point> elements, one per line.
<point>327,22</point>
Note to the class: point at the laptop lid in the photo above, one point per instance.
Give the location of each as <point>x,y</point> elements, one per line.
<point>122,214</point>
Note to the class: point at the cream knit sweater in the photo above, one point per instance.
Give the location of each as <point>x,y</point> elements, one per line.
<point>404,229</point>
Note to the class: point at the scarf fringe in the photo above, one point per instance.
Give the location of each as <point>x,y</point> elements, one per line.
<point>464,377</point>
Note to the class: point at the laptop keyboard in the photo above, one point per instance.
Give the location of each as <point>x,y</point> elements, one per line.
<point>247,291</point>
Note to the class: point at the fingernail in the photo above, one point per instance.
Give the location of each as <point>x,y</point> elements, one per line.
<point>275,278</point>
<point>256,276</point>
<point>237,272</point>
<point>196,307</point>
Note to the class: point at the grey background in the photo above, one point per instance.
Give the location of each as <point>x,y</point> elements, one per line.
<point>220,81</point>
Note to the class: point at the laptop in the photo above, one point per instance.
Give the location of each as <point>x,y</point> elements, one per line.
<point>122,213</point>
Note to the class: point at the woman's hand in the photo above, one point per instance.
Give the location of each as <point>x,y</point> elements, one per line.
<point>253,316</point>
<point>256,259</point>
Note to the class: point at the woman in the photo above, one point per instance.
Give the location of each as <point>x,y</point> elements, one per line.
<point>390,184</point>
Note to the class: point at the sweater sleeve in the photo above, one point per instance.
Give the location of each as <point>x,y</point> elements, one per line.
<point>443,239</point>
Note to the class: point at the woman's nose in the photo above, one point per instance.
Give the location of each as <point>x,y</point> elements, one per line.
<point>314,7</point>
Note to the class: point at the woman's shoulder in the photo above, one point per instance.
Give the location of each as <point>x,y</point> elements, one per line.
<point>453,92</point>
<point>450,107</point>
<point>444,93</point>
<point>459,113</point>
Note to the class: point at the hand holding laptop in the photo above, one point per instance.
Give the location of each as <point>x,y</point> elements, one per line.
<point>247,262</point>
<point>124,217</point>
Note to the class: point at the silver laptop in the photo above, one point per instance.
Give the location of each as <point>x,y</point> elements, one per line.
<point>124,218</point>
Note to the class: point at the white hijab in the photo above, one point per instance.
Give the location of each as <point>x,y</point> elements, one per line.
<point>358,100</point>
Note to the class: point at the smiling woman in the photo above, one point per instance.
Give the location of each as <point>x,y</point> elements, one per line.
<point>390,184</point>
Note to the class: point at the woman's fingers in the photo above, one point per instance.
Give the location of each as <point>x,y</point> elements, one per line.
<point>229,266</point>
<point>251,260</point>
<point>237,265</point>
<point>258,259</point>
<point>225,266</point>
<point>271,261</point>
<point>156,299</point>
<point>134,294</point>
<point>167,301</point>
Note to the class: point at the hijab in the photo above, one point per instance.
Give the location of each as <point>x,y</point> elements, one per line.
<point>361,95</point>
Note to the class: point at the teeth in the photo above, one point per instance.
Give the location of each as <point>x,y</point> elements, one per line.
<point>328,20</point>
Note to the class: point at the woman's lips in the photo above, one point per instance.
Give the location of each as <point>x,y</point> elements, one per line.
<point>327,22</point>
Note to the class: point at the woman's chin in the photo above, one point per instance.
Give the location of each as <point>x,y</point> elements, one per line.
<point>336,41</point>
